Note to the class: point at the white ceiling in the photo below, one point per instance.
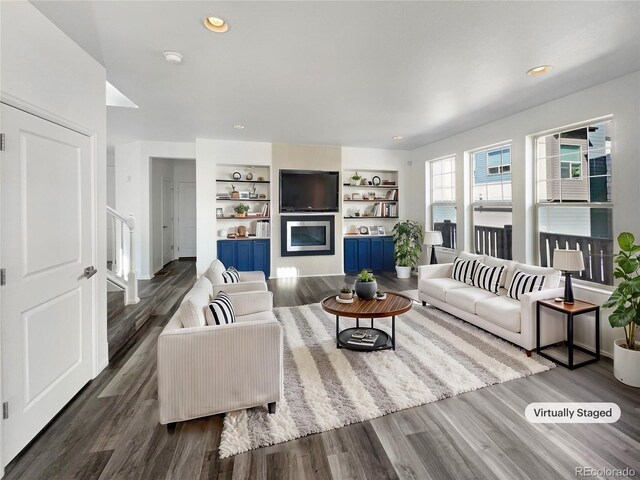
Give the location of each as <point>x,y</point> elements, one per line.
<point>343,73</point>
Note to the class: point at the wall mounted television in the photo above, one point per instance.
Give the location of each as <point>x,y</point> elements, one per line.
<point>309,191</point>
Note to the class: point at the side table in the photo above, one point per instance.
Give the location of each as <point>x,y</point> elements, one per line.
<point>579,307</point>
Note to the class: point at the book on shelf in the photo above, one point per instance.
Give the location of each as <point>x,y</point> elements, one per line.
<point>367,338</point>
<point>391,195</point>
<point>263,229</point>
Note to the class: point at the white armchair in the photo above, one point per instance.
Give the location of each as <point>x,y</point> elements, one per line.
<point>249,281</point>
<point>215,369</point>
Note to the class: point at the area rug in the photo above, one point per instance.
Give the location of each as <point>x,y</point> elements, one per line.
<point>437,356</point>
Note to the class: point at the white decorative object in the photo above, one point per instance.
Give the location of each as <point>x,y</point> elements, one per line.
<point>341,300</point>
<point>625,363</point>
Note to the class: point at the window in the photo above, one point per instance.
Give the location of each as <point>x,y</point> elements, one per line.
<point>492,217</point>
<point>443,198</point>
<point>574,206</point>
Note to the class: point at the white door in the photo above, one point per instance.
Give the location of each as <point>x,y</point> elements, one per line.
<point>47,303</point>
<point>167,221</point>
<point>186,219</point>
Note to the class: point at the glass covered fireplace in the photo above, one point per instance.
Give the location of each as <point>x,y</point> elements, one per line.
<point>307,235</point>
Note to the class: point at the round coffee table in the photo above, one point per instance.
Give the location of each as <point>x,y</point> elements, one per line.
<point>394,304</point>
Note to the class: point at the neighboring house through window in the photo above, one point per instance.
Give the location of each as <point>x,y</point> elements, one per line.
<point>442,173</point>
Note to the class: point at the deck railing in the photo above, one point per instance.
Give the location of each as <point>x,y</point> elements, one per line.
<point>597,253</point>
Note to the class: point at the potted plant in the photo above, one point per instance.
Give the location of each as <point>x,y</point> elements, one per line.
<point>625,301</point>
<point>241,210</point>
<point>355,179</point>
<point>407,245</point>
<point>346,293</point>
<point>366,285</point>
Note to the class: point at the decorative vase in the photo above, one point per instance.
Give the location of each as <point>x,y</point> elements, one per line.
<point>403,272</point>
<point>366,290</point>
<point>625,363</point>
<point>346,296</point>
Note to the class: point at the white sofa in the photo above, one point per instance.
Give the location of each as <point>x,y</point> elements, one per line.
<point>206,370</point>
<point>512,320</point>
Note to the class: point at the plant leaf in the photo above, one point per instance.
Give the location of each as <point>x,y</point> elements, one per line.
<point>626,241</point>
<point>621,317</point>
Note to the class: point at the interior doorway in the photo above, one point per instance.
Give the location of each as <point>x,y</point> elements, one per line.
<point>173,210</point>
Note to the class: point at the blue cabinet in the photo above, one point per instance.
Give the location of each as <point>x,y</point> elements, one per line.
<point>370,253</point>
<point>246,255</point>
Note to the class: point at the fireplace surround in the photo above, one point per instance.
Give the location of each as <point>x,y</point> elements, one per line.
<point>302,235</point>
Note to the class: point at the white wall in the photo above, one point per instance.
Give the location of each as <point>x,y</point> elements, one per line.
<point>161,170</point>
<point>46,73</point>
<point>620,98</point>
<point>133,189</point>
<point>184,171</point>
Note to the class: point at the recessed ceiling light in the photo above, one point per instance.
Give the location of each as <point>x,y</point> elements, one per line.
<point>238,126</point>
<point>397,137</point>
<point>539,70</point>
<point>173,57</point>
<point>216,24</point>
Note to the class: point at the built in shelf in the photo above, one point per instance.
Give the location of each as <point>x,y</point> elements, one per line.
<point>251,237</point>
<point>386,187</point>
<point>264,200</point>
<point>243,218</point>
<point>242,181</point>
<point>374,200</point>
<point>362,216</point>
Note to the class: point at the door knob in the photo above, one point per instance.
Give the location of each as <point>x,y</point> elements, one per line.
<point>164,226</point>
<point>90,271</point>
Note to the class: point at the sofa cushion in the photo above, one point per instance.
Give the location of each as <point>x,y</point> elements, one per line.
<point>215,271</point>
<point>191,315</point>
<point>254,317</point>
<point>502,311</point>
<point>220,311</point>
<point>553,276</point>
<point>437,287</point>
<point>488,278</point>
<point>509,265</point>
<point>462,270</point>
<point>522,283</point>
<point>467,297</point>
<point>470,256</point>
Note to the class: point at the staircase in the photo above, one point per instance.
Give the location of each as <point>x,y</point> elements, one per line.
<point>120,270</point>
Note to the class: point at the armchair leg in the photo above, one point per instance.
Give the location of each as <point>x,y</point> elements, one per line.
<point>272,407</point>
<point>528,352</point>
<point>424,304</point>
<point>171,427</point>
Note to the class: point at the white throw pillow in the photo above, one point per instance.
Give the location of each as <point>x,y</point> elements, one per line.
<point>215,271</point>
<point>204,283</point>
<point>553,276</point>
<point>190,315</point>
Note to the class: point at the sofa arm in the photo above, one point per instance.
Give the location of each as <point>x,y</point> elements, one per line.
<point>258,286</point>
<point>551,327</point>
<point>256,276</point>
<point>440,270</point>
<point>208,370</point>
<point>247,303</point>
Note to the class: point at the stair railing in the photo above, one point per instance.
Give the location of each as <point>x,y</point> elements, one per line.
<point>121,270</point>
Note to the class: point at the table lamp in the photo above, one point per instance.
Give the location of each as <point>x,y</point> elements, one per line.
<point>433,238</point>
<point>568,261</point>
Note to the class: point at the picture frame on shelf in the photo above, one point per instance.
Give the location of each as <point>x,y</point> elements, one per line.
<point>371,195</point>
<point>373,230</point>
<point>356,196</point>
<point>245,195</point>
<point>219,213</point>
<point>381,230</point>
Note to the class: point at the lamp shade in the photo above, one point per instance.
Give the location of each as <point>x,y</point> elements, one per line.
<point>568,260</point>
<point>432,237</point>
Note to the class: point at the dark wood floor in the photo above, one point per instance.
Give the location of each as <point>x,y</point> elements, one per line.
<point>111,429</point>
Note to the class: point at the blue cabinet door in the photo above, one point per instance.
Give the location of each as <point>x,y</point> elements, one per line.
<point>244,260</point>
<point>376,254</point>
<point>227,252</point>
<point>261,259</point>
<point>364,253</point>
<point>350,255</point>
<point>388,261</point>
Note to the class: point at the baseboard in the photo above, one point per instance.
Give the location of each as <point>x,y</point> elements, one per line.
<point>315,275</point>
<point>603,353</point>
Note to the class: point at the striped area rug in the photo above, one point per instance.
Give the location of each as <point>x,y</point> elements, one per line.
<point>437,356</point>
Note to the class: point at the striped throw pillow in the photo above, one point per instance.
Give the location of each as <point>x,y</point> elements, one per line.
<point>463,270</point>
<point>231,275</point>
<point>523,283</point>
<point>488,278</point>
<point>220,311</point>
